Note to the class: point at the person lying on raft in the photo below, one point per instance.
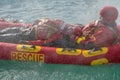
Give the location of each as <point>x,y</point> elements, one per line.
<point>100,33</point>
<point>62,35</point>
<point>45,32</point>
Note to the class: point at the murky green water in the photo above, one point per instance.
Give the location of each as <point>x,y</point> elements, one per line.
<point>72,11</point>
<point>38,71</point>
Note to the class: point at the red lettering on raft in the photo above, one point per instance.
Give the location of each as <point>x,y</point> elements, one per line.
<point>22,56</point>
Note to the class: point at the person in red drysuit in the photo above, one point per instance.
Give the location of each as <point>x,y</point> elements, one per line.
<point>61,35</point>
<point>100,33</point>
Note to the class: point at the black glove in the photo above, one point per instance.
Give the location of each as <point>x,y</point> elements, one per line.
<point>90,46</point>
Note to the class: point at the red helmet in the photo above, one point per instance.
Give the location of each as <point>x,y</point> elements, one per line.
<point>109,13</point>
<point>78,29</point>
<point>73,30</point>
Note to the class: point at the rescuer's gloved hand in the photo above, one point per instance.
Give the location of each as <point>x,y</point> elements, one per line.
<point>68,43</point>
<point>90,46</point>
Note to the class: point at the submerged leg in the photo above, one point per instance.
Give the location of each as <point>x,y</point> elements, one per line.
<point>11,38</point>
<point>10,30</point>
<point>16,37</point>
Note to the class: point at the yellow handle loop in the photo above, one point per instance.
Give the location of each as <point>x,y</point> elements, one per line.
<point>80,39</point>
